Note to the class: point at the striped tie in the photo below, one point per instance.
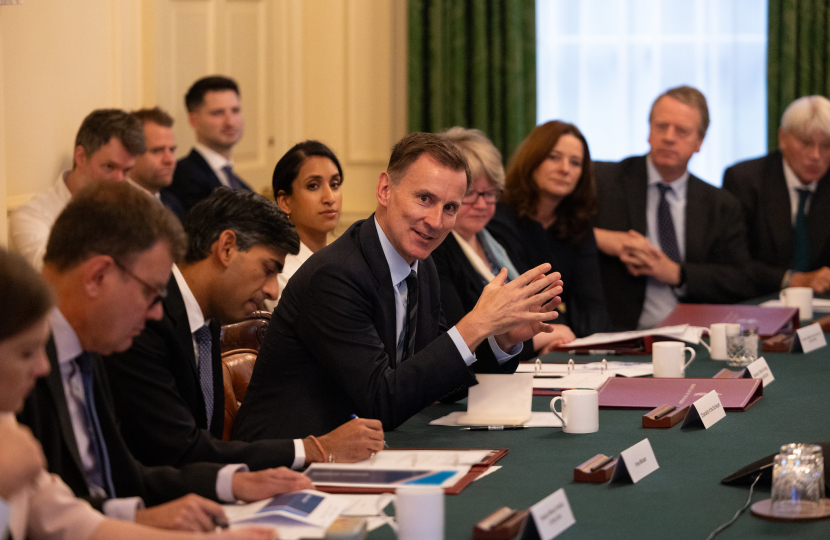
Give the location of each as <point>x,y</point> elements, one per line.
<point>204,342</point>
<point>234,182</point>
<point>101,473</point>
<point>411,315</point>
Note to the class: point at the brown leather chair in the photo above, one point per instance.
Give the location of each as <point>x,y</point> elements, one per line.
<point>237,367</point>
<point>246,334</point>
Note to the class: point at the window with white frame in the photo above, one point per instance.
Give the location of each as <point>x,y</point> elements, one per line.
<point>601,63</point>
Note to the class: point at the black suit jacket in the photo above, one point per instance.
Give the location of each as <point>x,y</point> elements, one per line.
<point>330,347</point>
<point>462,285</point>
<point>716,253</point>
<point>527,241</point>
<point>159,401</point>
<point>760,186</point>
<point>193,180</point>
<point>172,202</point>
<point>47,414</point>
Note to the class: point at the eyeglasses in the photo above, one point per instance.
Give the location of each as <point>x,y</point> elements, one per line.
<point>156,293</point>
<point>490,196</point>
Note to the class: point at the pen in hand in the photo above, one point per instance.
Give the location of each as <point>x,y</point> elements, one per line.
<point>355,417</point>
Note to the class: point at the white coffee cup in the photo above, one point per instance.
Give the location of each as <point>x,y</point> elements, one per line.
<point>800,297</point>
<point>580,411</point>
<point>669,358</point>
<point>419,512</point>
<point>717,339</point>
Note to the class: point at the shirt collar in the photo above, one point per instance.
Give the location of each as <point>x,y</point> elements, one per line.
<point>793,182</point>
<point>195,317</point>
<point>398,267</point>
<point>654,178</point>
<point>214,158</point>
<point>67,344</point>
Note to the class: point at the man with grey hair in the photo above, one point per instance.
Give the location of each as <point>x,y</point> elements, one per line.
<point>786,201</point>
<point>106,146</point>
<point>664,235</point>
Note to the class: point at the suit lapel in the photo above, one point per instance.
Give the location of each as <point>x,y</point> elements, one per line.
<point>696,212</point>
<point>373,253</point>
<point>55,385</point>
<point>202,163</point>
<point>174,309</point>
<point>819,231</point>
<point>779,213</point>
<point>634,177</point>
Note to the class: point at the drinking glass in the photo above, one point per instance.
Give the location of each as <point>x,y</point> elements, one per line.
<point>796,484</point>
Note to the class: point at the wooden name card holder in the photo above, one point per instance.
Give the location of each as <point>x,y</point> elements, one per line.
<point>664,416</point>
<point>503,524</point>
<point>596,470</point>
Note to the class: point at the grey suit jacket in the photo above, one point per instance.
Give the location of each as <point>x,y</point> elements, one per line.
<point>716,253</point>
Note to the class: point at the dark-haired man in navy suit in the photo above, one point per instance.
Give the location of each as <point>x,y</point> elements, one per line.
<point>215,114</point>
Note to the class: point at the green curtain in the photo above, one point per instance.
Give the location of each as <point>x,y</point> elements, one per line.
<point>798,56</point>
<point>472,63</point>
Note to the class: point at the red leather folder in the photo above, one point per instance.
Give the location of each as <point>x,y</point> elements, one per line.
<point>475,471</point>
<point>645,393</point>
<point>771,320</point>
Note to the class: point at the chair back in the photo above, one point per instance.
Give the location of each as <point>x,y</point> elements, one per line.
<point>237,367</point>
<point>246,334</point>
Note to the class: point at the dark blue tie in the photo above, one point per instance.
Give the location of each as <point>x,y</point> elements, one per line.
<point>101,474</point>
<point>204,342</point>
<point>233,181</point>
<point>665,226</point>
<point>801,237</point>
<point>411,319</point>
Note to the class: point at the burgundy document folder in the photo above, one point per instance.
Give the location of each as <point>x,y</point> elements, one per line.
<point>644,393</point>
<point>771,320</point>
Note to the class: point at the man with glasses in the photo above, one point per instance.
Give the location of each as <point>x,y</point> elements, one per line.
<point>108,260</point>
<point>168,386</point>
<point>359,330</point>
<point>785,197</point>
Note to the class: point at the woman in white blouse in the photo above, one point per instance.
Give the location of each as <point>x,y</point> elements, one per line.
<point>306,184</point>
<point>33,503</point>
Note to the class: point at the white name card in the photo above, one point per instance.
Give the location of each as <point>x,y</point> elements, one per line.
<point>760,370</point>
<point>636,463</point>
<point>551,516</point>
<point>707,409</point>
<point>809,338</point>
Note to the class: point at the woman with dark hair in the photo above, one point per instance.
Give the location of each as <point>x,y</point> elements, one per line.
<point>306,184</point>
<point>33,503</point>
<point>546,214</point>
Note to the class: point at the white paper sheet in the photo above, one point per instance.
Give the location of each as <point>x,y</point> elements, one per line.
<point>490,470</point>
<point>677,332</point>
<point>623,369</point>
<point>289,524</point>
<point>581,381</point>
<point>366,505</point>
<point>394,459</point>
<point>537,419</point>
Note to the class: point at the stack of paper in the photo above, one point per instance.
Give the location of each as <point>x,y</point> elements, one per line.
<point>302,514</point>
<point>584,376</point>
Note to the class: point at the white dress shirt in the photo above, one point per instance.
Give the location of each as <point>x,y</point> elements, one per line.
<point>292,264</point>
<point>196,320</point>
<point>399,270</point>
<point>31,223</point>
<point>216,162</point>
<point>661,298</point>
<point>793,185</point>
<point>68,348</point>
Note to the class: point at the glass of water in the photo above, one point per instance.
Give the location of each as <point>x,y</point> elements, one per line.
<point>742,345</point>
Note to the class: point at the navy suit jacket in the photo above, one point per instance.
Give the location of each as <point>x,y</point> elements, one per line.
<point>716,253</point>
<point>47,414</point>
<point>159,400</point>
<point>330,348</point>
<point>193,180</point>
<point>760,186</point>
<point>172,202</point>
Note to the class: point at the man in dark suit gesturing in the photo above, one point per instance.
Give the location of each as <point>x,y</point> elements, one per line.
<point>108,260</point>
<point>785,197</point>
<point>664,235</point>
<point>215,114</point>
<point>168,395</point>
<point>359,328</point>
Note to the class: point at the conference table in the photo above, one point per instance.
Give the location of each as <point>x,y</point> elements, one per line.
<point>682,499</point>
